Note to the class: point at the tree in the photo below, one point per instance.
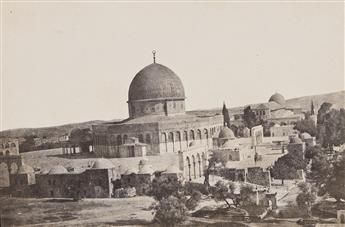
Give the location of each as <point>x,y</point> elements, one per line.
<point>306,125</point>
<point>226,116</point>
<point>313,151</point>
<point>306,197</point>
<point>320,169</point>
<point>165,187</point>
<point>249,117</point>
<point>335,185</point>
<point>312,109</point>
<point>172,200</point>
<point>325,107</point>
<point>212,161</point>
<point>194,199</point>
<point>245,192</point>
<point>170,211</point>
<point>223,191</point>
<point>286,167</point>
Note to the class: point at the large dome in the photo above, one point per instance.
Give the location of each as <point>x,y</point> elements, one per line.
<point>278,98</point>
<point>156,81</point>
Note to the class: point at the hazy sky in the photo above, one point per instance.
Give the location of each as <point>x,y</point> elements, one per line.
<point>72,62</point>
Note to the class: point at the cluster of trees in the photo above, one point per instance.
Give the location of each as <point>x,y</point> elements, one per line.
<point>327,173</point>
<point>331,126</point>
<point>286,167</point>
<point>306,125</point>
<point>306,197</point>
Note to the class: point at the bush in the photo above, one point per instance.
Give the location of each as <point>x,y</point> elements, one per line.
<point>170,211</point>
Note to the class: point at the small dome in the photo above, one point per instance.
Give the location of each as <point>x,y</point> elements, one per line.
<point>58,170</point>
<point>172,169</point>
<point>231,144</point>
<point>147,169</point>
<point>276,125</point>
<point>305,135</point>
<point>226,133</point>
<point>278,98</point>
<point>156,81</point>
<point>130,171</point>
<point>295,139</point>
<point>102,163</point>
<point>25,169</point>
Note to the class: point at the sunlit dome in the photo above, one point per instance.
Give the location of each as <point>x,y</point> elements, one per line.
<point>155,82</point>
<point>277,98</point>
<point>58,170</point>
<point>102,163</point>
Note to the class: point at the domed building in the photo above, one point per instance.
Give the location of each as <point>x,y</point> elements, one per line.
<point>157,118</point>
<point>276,110</point>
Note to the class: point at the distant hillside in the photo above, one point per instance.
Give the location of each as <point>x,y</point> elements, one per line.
<point>46,132</point>
<point>337,98</point>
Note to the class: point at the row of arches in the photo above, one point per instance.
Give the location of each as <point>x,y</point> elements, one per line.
<point>178,140</point>
<point>7,145</point>
<point>7,152</point>
<point>194,166</point>
<point>116,140</point>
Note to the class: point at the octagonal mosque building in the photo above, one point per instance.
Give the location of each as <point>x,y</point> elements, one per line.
<point>157,122</point>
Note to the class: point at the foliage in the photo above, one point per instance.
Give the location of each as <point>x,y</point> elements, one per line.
<point>170,211</point>
<point>246,191</point>
<point>331,126</point>
<point>325,107</point>
<point>165,187</point>
<point>313,151</point>
<point>193,201</point>
<point>249,117</point>
<point>212,163</point>
<point>174,200</point>
<point>223,191</point>
<point>286,167</point>
<point>320,169</point>
<point>306,197</point>
<point>335,185</point>
<point>306,125</point>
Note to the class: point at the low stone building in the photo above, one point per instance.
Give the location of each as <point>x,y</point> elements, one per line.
<point>139,179</point>
<point>226,147</point>
<point>254,175</point>
<point>282,130</point>
<point>309,140</point>
<point>173,173</point>
<point>95,182</point>
<point>9,146</point>
<point>22,181</point>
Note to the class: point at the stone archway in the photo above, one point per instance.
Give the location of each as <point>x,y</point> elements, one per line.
<point>12,162</point>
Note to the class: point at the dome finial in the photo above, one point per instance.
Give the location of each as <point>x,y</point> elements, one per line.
<point>154,56</point>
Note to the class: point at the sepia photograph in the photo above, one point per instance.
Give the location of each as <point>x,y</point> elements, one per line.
<point>172,113</point>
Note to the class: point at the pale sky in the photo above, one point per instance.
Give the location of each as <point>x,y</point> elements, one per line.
<point>73,62</point>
